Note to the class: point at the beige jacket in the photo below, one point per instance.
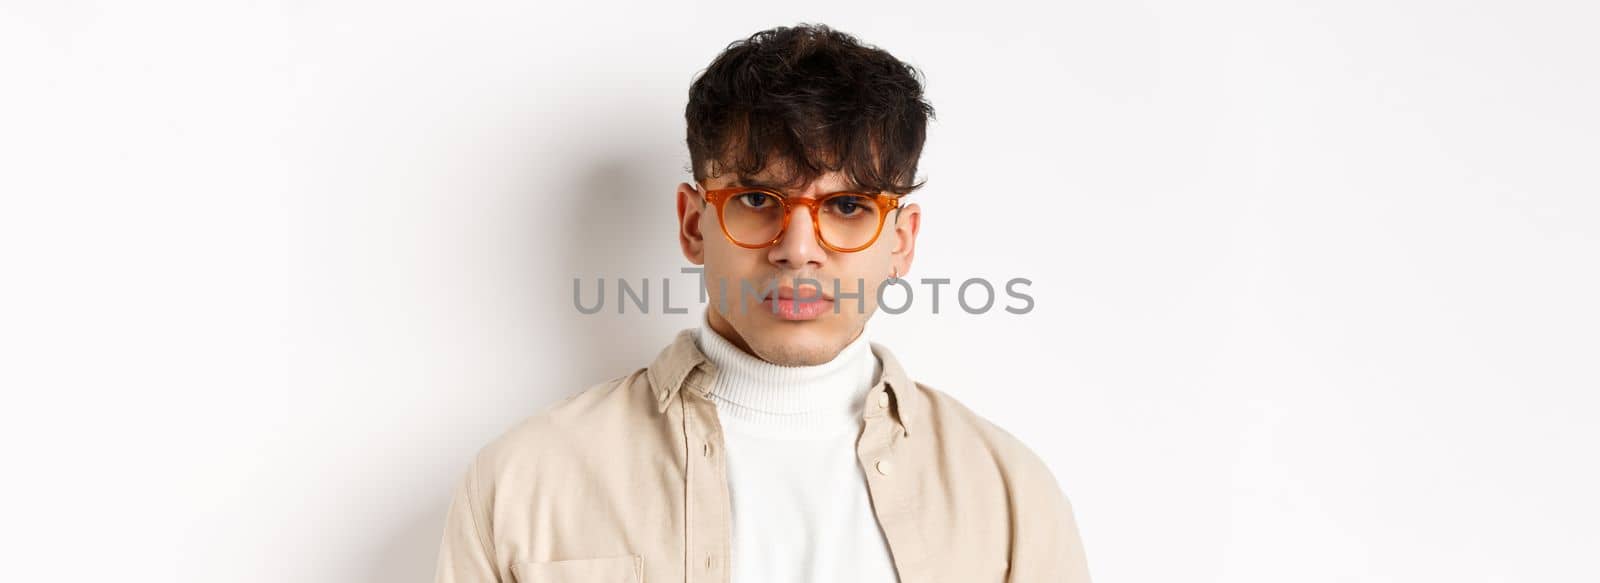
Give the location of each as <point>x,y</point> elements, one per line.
<point>624,482</point>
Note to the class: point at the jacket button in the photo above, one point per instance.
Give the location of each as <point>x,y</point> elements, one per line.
<point>705,448</point>
<point>883,467</point>
<point>883,400</point>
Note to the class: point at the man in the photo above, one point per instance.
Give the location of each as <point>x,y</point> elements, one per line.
<point>774,442</point>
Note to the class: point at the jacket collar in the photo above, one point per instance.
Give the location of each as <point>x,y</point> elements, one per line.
<point>682,365</point>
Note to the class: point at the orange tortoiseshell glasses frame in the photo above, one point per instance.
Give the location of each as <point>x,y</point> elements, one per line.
<point>718,197</point>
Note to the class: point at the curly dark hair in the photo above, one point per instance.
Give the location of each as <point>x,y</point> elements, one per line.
<point>812,100</point>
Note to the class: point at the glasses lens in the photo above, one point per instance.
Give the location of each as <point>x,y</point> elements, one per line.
<point>753,218</point>
<point>849,221</point>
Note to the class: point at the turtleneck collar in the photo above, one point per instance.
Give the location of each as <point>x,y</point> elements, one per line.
<point>757,397</point>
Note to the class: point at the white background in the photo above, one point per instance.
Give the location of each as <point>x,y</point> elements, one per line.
<point>1316,281</point>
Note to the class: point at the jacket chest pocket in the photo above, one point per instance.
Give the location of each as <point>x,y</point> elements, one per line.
<point>620,569</point>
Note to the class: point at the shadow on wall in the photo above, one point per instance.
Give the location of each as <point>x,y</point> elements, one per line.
<point>625,228</point>
<point>413,552</point>
<point>614,218</point>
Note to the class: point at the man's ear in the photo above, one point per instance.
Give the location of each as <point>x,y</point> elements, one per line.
<point>691,206</point>
<point>907,221</point>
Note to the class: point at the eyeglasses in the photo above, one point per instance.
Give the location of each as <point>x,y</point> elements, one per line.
<point>756,217</point>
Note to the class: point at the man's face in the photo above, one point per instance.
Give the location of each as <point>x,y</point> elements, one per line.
<point>737,279</point>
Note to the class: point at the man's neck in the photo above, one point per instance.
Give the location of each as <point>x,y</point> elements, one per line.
<point>757,396</point>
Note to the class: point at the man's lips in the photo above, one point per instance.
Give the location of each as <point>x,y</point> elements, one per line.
<point>802,303</point>
<point>805,293</point>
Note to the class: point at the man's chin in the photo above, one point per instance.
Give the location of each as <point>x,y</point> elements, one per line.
<point>795,342</point>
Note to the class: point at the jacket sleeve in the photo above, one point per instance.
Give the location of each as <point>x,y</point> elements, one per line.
<point>466,551</point>
<point>1047,546</point>
<point>1073,567</point>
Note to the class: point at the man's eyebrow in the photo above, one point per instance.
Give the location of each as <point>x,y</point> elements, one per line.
<point>753,183</point>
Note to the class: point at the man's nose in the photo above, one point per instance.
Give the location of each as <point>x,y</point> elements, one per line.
<point>799,246</point>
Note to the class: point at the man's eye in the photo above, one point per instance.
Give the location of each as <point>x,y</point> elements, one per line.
<point>849,205</point>
<point>755,199</point>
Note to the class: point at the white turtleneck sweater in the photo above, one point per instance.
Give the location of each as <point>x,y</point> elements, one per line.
<point>801,512</point>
